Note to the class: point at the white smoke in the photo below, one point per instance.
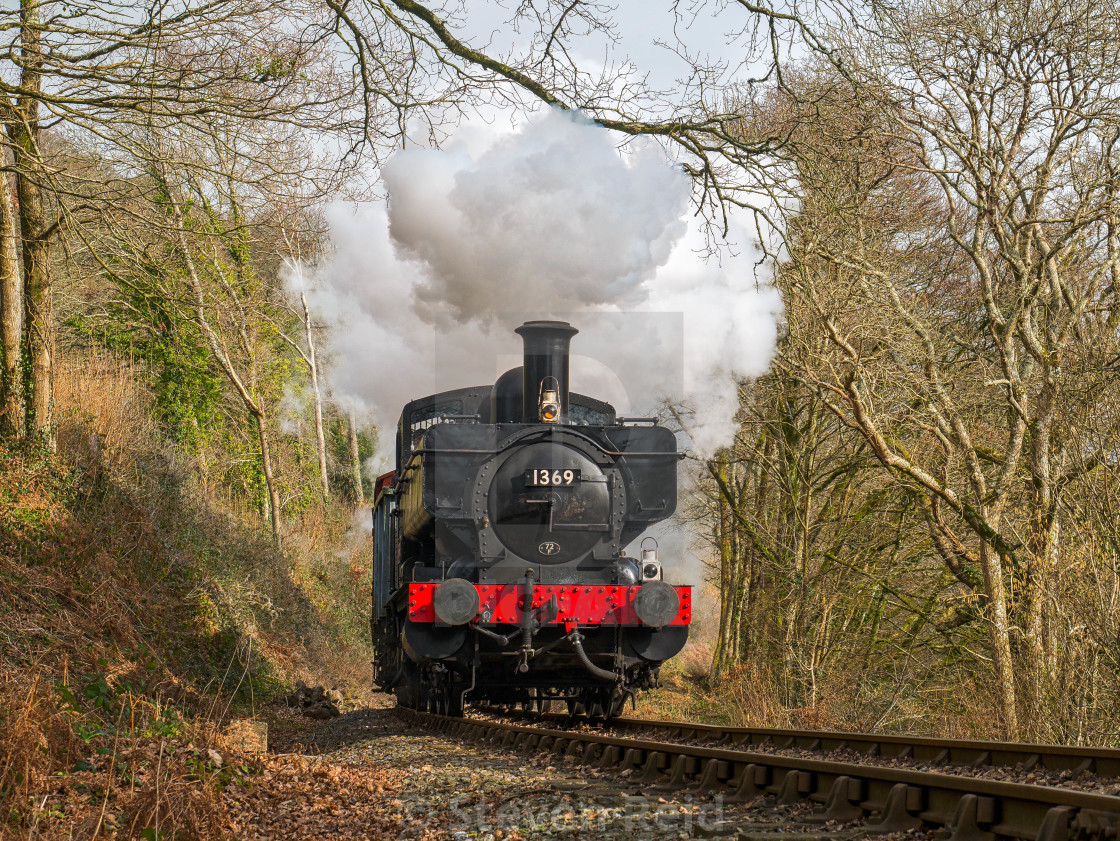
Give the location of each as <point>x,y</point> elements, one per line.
<point>730,329</point>
<point>549,219</point>
<point>291,409</point>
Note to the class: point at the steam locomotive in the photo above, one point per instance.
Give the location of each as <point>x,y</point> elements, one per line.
<point>499,565</point>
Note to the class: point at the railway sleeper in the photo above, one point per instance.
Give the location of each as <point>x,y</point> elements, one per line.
<point>655,762</point>
<point>900,811</point>
<point>974,818</point>
<point>751,784</point>
<point>842,802</point>
<point>897,807</point>
<point>610,758</point>
<point>631,760</point>
<point>714,776</point>
<point>681,771</point>
<point>796,786</point>
<point>1066,823</point>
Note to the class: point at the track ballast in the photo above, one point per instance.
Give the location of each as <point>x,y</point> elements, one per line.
<point>890,798</point>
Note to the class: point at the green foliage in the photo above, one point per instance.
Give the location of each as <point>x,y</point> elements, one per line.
<point>367,445</point>
<point>150,315</point>
<point>189,391</point>
<point>99,692</point>
<point>31,457</point>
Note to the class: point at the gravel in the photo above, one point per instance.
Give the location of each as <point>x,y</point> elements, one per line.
<point>368,775</point>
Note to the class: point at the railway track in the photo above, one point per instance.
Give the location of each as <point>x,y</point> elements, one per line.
<point>891,799</point>
<point>1067,764</point>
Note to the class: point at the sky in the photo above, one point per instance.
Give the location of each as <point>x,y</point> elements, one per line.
<point>711,30</point>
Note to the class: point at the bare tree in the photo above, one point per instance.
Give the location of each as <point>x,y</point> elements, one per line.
<point>11,317</point>
<point>102,74</point>
<point>965,283</point>
<point>443,71</point>
<point>317,395</point>
<point>23,121</point>
<point>310,359</point>
<point>216,323</point>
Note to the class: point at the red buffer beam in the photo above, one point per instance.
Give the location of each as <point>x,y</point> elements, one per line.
<point>501,604</point>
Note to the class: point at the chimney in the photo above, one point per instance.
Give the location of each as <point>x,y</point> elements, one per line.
<point>545,372</point>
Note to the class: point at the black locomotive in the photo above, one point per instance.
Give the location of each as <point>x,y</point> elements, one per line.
<point>499,571</point>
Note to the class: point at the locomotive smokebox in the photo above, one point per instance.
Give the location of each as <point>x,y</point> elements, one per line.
<point>545,373</point>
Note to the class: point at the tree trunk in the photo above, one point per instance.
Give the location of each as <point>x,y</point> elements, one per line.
<point>38,300</point>
<point>738,601</point>
<point>355,461</point>
<point>38,326</point>
<point>313,366</point>
<point>11,318</point>
<point>999,637</point>
<point>1043,543</point>
<point>269,477</point>
<point>722,656</point>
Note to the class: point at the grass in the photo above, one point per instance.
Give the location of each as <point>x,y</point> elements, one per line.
<point>743,697</point>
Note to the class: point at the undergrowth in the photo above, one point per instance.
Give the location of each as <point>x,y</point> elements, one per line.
<point>757,694</point>
<point>136,621</point>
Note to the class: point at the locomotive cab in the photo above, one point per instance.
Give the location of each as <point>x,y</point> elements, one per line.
<point>500,573</point>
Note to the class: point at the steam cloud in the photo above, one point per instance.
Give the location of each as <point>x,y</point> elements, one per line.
<point>547,220</point>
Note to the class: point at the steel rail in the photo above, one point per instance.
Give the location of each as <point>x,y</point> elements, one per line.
<point>973,808</point>
<point>961,753</point>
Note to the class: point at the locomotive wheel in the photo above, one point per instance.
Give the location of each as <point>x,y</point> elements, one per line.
<point>599,703</point>
<point>589,705</point>
<point>604,702</point>
<point>617,704</point>
<point>576,707</point>
<point>454,705</point>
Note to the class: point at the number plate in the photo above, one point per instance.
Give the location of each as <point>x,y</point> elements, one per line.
<point>551,477</point>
